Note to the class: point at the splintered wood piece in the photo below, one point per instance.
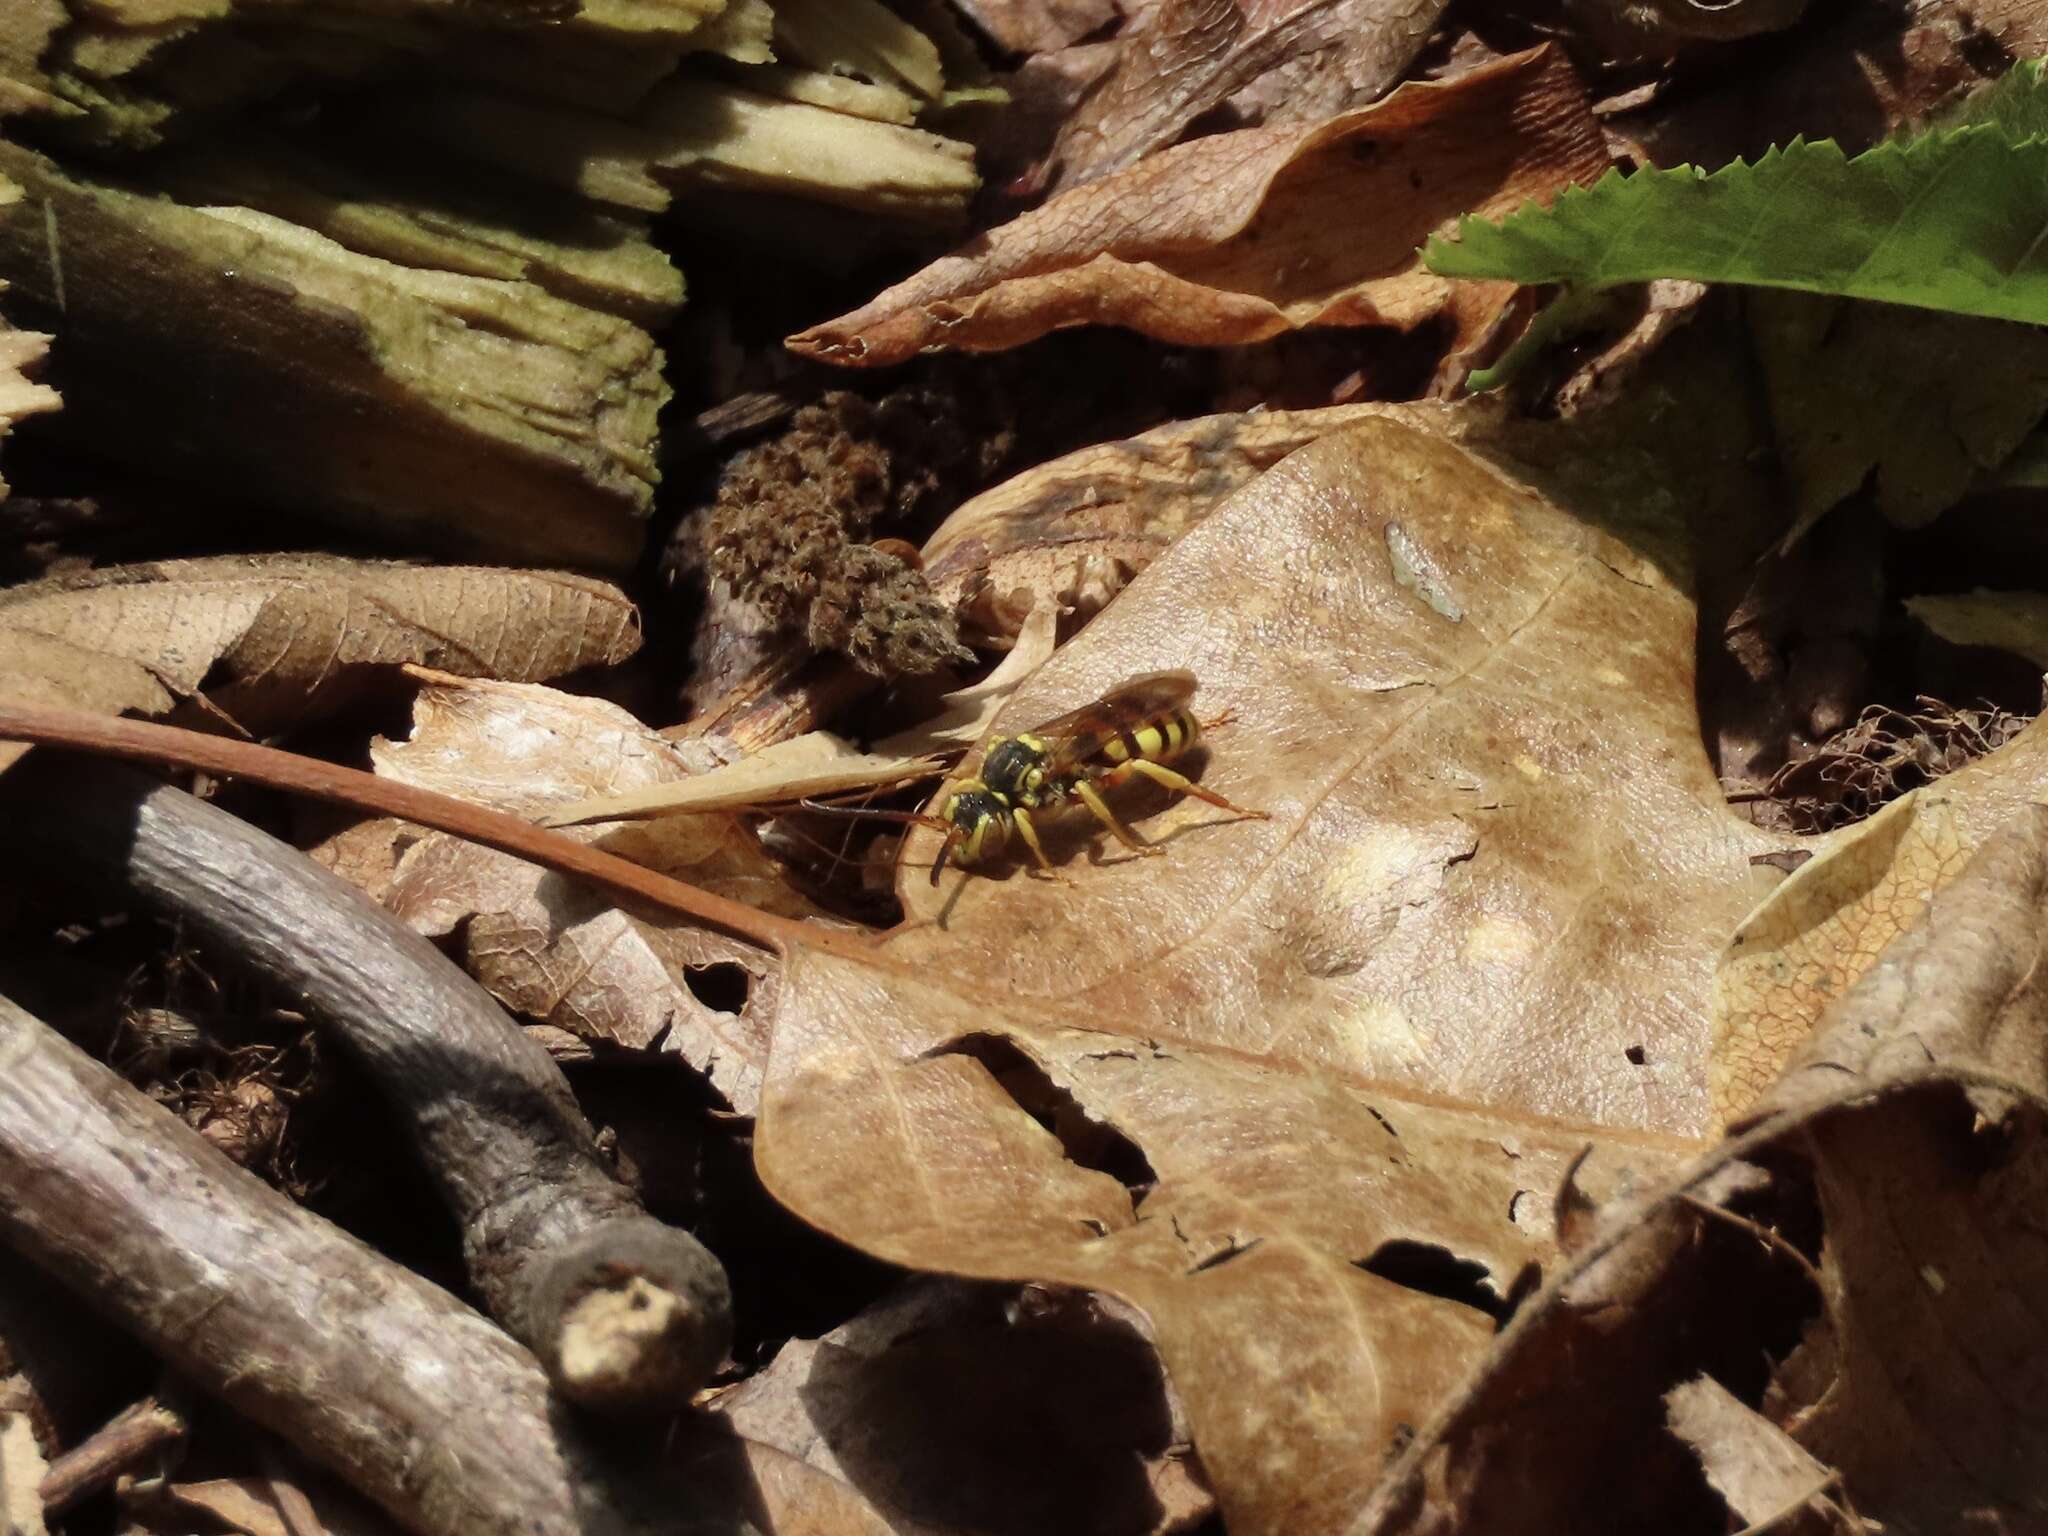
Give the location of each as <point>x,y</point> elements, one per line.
<point>245,351</point>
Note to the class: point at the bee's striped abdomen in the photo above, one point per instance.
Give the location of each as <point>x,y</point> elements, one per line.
<point>1161,739</point>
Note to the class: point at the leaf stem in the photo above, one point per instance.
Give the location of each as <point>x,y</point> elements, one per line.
<point>141,741</point>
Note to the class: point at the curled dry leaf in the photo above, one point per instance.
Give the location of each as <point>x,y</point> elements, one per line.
<point>819,763</point>
<point>1246,235</point>
<point>1918,1105</point>
<point>20,351</point>
<point>1075,530</point>
<point>1291,61</point>
<point>979,1408</point>
<point>266,640</point>
<point>547,948</point>
<point>2009,621</point>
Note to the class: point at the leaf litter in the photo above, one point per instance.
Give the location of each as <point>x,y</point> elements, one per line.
<point>1371,1117</point>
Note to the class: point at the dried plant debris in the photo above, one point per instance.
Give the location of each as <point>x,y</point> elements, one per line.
<point>263,641</point>
<point>788,533</point>
<point>1884,754</point>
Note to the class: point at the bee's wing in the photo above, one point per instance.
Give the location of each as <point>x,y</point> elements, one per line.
<point>1080,735</point>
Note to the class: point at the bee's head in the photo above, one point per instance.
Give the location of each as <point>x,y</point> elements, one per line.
<point>977,826</point>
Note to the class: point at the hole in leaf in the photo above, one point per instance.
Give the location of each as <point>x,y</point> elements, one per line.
<point>721,987</point>
<point>1435,1271</point>
<point>1085,1140</point>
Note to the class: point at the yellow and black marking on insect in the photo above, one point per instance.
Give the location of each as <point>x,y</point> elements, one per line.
<point>1133,731</point>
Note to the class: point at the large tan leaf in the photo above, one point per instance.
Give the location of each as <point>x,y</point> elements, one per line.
<point>1245,235</point>
<point>1316,1080</point>
<point>1374,1029</point>
<point>269,639</point>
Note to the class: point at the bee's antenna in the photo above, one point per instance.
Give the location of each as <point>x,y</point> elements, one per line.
<point>907,818</point>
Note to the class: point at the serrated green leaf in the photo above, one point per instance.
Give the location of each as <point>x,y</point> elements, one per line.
<point>1954,219</point>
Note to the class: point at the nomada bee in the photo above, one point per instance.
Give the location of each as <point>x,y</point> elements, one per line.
<point>1133,731</point>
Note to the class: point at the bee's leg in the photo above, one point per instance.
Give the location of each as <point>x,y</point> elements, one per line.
<point>1225,718</point>
<point>1021,819</point>
<point>1099,809</point>
<point>1160,774</point>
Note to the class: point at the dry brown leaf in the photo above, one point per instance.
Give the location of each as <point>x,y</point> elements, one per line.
<point>270,639</point>
<point>547,948</point>
<point>1753,1464</point>
<point>981,1409</point>
<point>1245,235</point>
<point>1292,61</point>
<point>2010,621</point>
<point>1075,530</point>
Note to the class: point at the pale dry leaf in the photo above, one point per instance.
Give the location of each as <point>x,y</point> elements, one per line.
<point>1245,235</point>
<point>1753,1464</point>
<point>1295,61</point>
<point>2008,621</point>
<point>1922,1383</point>
<point>1818,933</point>
<point>21,352</point>
<point>815,763</point>
<point>1075,530</point>
<point>267,640</point>
<point>548,948</point>
<point>22,1467</point>
<point>983,1409</point>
